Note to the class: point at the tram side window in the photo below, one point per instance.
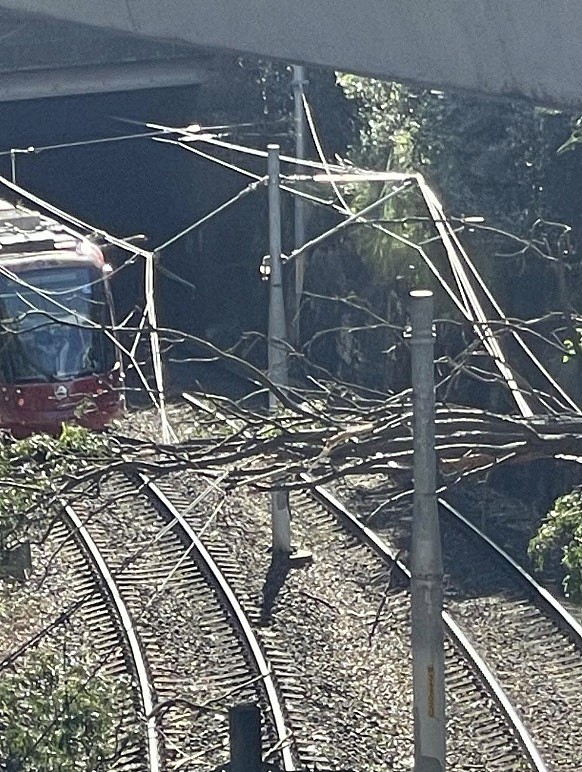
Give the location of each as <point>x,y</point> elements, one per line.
<point>57,333</point>
<point>15,366</point>
<point>102,349</point>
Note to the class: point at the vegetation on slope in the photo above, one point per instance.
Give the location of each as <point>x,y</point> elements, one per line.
<point>557,546</point>
<point>58,708</point>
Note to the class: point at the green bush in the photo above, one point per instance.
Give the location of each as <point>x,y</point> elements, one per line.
<point>58,710</point>
<point>56,714</point>
<point>35,469</point>
<point>557,545</point>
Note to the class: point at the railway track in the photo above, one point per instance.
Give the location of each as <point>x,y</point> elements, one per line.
<point>501,735</point>
<point>113,638</point>
<point>531,641</point>
<point>504,739</point>
<point>285,610</point>
<point>201,652</point>
<point>220,578</point>
<point>532,644</point>
<point>283,692</point>
<point>102,615</point>
<point>473,692</point>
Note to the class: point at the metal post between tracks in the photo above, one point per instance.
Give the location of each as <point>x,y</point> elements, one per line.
<point>277,352</point>
<point>426,559</point>
<point>244,726</point>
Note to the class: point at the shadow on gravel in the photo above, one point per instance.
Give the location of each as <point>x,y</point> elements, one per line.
<point>276,575</point>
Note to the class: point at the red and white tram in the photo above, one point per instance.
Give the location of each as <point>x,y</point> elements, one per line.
<point>58,359</point>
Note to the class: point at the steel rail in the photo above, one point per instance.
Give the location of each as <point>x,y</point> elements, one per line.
<point>235,609</point>
<point>460,641</point>
<point>458,638</point>
<point>143,678</point>
<point>564,619</point>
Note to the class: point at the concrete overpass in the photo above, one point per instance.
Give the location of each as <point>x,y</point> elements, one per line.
<point>517,48</point>
<point>44,57</point>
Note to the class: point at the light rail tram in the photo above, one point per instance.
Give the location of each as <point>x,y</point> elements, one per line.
<point>58,358</point>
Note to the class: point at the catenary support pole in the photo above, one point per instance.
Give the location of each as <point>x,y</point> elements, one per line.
<point>426,558</point>
<point>277,352</point>
<point>299,202</point>
<point>277,332</point>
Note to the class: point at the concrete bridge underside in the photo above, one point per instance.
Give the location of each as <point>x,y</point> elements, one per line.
<point>517,48</point>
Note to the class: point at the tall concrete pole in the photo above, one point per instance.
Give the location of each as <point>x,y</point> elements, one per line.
<point>277,327</point>
<point>426,558</point>
<point>299,203</point>
<point>277,352</point>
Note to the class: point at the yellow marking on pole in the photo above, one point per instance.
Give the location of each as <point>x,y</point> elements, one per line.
<point>431,711</point>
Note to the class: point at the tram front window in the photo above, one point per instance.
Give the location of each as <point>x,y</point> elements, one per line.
<point>49,335</point>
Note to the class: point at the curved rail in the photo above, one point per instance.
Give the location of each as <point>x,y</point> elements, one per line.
<point>378,546</point>
<point>565,620</point>
<point>154,756</point>
<point>235,609</point>
<point>461,642</point>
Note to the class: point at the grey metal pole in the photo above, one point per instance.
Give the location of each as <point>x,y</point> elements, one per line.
<point>277,333</point>
<point>299,203</point>
<point>277,352</point>
<point>426,558</point>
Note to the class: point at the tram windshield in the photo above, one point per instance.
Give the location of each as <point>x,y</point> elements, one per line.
<point>51,324</point>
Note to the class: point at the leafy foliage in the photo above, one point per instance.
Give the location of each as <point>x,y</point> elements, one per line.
<point>496,159</point>
<point>34,469</point>
<point>57,715</point>
<point>388,130</point>
<point>388,122</point>
<point>58,710</point>
<point>502,160</point>
<point>557,546</point>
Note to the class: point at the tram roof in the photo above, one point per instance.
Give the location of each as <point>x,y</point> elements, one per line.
<point>27,237</point>
<point>43,259</point>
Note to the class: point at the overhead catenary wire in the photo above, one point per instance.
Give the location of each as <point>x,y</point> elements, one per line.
<point>448,237</point>
<point>247,173</point>
<point>348,221</point>
<point>193,136</point>
<point>76,221</point>
<point>149,311</point>
<point>208,157</point>
<point>37,149</point>
<point>321,154</point>
<point>359,175</point>
<point>167,431</point>
<point>518,338</point>
<point>482,328</point>
<point>196,134</point>
<point>360,217</point>
<point>250,188</point>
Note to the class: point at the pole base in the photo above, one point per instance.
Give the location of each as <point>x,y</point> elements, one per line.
<point>300,558</point>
